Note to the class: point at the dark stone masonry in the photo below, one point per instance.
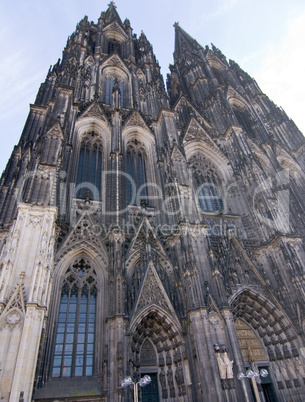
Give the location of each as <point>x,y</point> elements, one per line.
<point>152,231</point>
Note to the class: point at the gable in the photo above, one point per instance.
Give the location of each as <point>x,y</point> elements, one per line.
<point>55,132</point>
<point>195,132</point>
<point>115,31</point>
<point>114,67</point>
<point>145,237</point>
<point>94,110</point>
<point>184,102</point>
<point>152,292</point>
<point>83,237</point>
<point>136,120</point>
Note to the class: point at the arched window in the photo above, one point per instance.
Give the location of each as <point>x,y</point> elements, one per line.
<point>136,170</point>
<point>89,171</point>
<point>114,46</point>
<point>148,355</point>
<point>207,184</point>
<point>109,88</point>
<point>245,119</point>
<point>75,333</point>
<point>218,74</point>
<point>209,196</point>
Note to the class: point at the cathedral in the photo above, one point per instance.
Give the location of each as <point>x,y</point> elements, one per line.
<point>152,230</point>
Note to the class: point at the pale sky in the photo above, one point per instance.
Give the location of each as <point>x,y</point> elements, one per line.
<point>265,37</point>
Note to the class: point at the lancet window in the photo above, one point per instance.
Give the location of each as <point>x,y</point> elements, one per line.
<point>136,170</point>
<point>75,333</point>
<point>245,119</point>
<point>89,171</point>
<point>208,194</point>
<point>207,184</point>
<point>114,46</point>
<point>109,88</point>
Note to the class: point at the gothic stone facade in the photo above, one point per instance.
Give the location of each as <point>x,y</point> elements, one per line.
<point>146,231</point>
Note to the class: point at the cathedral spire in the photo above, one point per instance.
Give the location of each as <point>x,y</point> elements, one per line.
<point>112,14</point>
<point>183,42</point>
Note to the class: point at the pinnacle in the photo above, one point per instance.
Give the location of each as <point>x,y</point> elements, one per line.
<point>112,14</point>
<point>183,40</point>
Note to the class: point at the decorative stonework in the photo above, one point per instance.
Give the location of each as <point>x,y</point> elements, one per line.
<point>95,110</point>
<point>55,132</point>
<point>136,120</point>
<point>251,347</point>
<point>152,292</point>
<point>173,272</point>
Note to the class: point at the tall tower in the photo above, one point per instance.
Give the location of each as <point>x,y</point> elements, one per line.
<point>146,231</point>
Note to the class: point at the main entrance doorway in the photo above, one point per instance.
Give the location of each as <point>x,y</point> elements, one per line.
<point>148,359</point>
<point>150,392</point>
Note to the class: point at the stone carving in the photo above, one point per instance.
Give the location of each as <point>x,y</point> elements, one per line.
<point>14,243</point>
<point>221,366</point>
<point>136,120</point>
<point>225,365</point>
<point>13,318</point>
<point>194,137</point>
<point>95,111</point>
<point>151,291</point>
<point>162,378</point>
<point>215,321</point>
<point>284,371</point>
<point>276,371</point>
<point>300,367</point>
<point>170,382</point>
<point>229,365</point>
<point>292,370</point>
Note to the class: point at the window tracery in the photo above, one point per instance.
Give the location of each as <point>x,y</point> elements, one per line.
<point>75,334</point>
<point>207,184</point>
<point>136,169</point>
<point>114,46</point>
<point>245,119</point>
<point>89,171</point>
<point>109,87</point>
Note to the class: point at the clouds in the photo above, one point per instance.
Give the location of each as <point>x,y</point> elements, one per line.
<point>282,69</point>
<point>222,8</point>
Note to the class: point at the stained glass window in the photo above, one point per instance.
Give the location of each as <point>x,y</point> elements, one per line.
<point>75,333</point>
<point>89,171</point>
<point>136,169</point>
<point>208,195</point>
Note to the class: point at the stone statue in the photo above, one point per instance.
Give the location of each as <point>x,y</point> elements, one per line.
<point>162,378</point>
<point>179,375</point>
<point>221,366</point>
<point>291,370</point>
<point>300,367</point>
<point>277,373</point>
<point>229,365</point>
<point>170,377</point>
<point>284,371</point>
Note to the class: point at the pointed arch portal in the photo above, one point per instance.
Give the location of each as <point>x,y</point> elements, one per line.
<point>157,349</point>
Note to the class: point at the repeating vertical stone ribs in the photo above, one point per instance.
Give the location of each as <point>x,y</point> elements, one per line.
<point>197,272</point>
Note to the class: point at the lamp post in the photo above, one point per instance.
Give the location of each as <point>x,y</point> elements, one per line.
<point>253,375</point>
<point>143,381</point>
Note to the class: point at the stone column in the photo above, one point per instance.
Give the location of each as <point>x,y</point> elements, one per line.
<point>27,354</point>
<point>238,359</point>
<point>116,345</point>
<point>207,364</point>
<point>29,254</point>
